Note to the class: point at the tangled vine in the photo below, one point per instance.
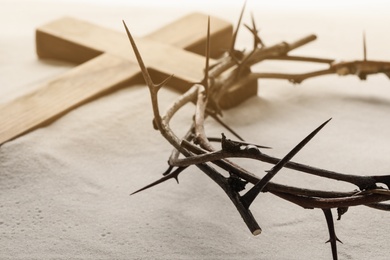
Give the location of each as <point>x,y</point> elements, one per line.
<point>196,148</point>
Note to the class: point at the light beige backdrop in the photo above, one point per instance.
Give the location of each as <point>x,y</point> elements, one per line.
<point>64,189</point>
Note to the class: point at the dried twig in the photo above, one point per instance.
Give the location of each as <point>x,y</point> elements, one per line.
<point>197,149</point>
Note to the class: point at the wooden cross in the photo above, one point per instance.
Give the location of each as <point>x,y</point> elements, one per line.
<point>108,63</point>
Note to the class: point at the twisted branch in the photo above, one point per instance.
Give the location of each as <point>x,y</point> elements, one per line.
<point>196,147</point>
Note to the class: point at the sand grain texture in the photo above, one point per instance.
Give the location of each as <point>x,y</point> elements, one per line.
<point>64,189</point>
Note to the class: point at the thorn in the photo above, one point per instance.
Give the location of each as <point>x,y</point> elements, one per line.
<point>170,167</point>
<point>333,238</point>
<point>257,40</point>
<point>257,37</point>
<point>250,196</point>
<point>165,81</point>
<point>205,80</point>
<point>236,31</point>
<point>217,139</point>
<point>341,211</point>
<point>330,240</point>
<point>168,176</point>
<point>216,118</point>
<point>260,146</point>
<point>145,72</point>
<point>364,46</point>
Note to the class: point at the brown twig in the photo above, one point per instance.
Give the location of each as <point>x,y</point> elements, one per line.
<point>196,148</point>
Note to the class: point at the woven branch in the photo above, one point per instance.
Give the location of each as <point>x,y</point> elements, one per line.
<point>198,150</point>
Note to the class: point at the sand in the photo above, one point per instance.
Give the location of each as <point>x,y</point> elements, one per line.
<point>64,188</point>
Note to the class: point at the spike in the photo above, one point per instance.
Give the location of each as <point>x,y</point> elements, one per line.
<point>341,211</point>
<point>218,139</point>
<point>216,118</point>
<point>257,37</point>
<point>236,31</point>
<point>250,196</point>
<point>163,83</point>
<point>333,238</point>
<point>205,81</point>
<point>364,47</point>
<point>254,31</point>
<point>168,171</point>
<point>145,72</point>
<point>168,176</point>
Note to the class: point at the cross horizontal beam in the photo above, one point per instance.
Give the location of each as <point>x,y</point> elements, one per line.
<point>107,63</point>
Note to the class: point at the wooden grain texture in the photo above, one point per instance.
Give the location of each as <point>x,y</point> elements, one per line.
<point>77,41</point>
<point>63,94</point>
<point>107,63</point>
<point>191,35</point>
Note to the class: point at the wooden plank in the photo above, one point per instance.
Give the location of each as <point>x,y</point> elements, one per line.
<point>109,63</point>
<point>70,39</point>
<point>76,87</point>
<point>77,41</point>
<point>192,36</point>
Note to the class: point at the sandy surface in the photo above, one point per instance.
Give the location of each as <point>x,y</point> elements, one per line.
<point>64,189</point>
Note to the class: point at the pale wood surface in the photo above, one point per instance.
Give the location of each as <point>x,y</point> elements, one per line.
<point>70,38</point>
<point>78,86</point>
<point>78,41</point>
